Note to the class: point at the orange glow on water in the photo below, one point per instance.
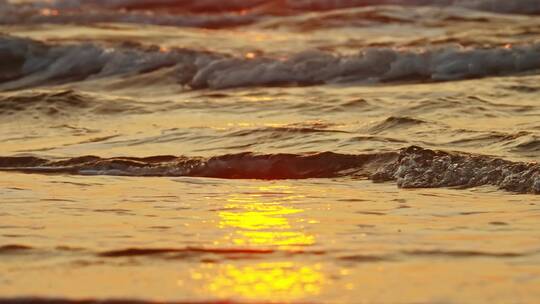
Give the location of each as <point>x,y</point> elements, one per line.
<point>255,220</point>
<point>49,12</point>
<point>266,280</point>
<point>263,218</point>
<point>250,55</point>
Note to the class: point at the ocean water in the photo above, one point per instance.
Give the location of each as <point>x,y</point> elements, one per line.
<point>294,151</point>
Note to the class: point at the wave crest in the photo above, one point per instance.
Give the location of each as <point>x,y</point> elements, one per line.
<point>34,63</point>
<point>423,168</point>
<point>411,167</point>
<point>369,65</point>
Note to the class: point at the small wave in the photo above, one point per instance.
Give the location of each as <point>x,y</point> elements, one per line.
<point>523,88</point>
<point>465,253</point>
<point>531,145</point>
<point>48,101</point>
<point>180,253</point>
<point>444,253</point>
<point>175,253</point>
<point>14,248</point>
<point>411,167</point>
<point>54,103</point>
<point>367,258</point>
<point>394,122</point>
<point>279,131</point>
<point>233,166</point>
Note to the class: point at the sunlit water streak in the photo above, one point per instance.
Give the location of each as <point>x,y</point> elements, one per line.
<point>262,220</point>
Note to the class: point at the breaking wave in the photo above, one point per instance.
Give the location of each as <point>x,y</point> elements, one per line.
<point>33,63</point>
<point>369,65</point>
<point>411,167</point>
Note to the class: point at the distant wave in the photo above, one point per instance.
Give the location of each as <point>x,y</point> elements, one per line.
<point>500,6</point>
<point>216,14</point>
<point>61,13</point>
<point>286,6</point>
<point>32,63</point>
<point>412,167</point>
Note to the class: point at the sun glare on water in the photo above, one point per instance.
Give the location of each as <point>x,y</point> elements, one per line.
<point>265,219</point>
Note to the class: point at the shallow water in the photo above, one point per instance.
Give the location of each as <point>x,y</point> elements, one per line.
<point>270,151</point>
<point>320,240</point>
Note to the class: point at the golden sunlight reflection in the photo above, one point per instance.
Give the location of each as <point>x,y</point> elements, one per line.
<point>263,218</point>
<point>265,280</point>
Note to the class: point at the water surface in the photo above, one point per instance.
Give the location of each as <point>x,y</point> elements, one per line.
<point>270,151</point>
